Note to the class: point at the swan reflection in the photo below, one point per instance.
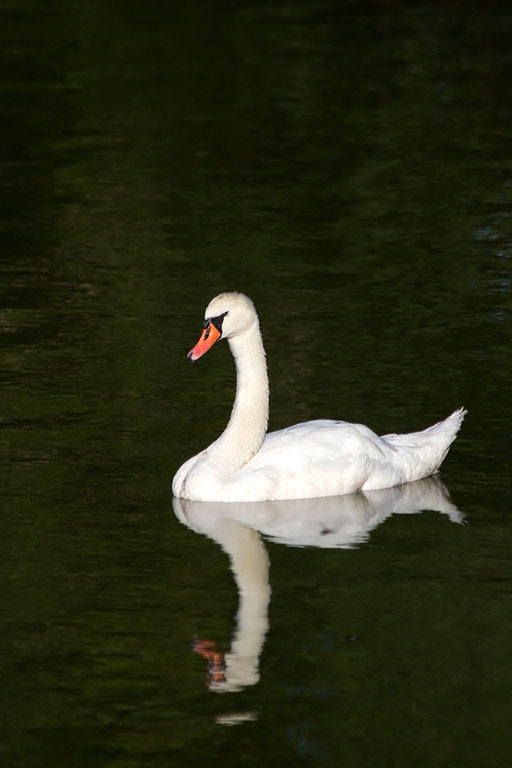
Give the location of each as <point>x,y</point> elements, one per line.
<point>335,521</point>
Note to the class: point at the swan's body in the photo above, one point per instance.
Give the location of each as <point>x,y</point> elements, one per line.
<point>316,458</point>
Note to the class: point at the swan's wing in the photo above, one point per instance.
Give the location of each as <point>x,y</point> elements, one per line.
<point>319,442</point>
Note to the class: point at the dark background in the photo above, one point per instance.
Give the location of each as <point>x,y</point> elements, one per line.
<point>348,166</point>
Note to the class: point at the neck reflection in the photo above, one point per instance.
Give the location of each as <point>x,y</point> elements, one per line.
<point>332,522</point>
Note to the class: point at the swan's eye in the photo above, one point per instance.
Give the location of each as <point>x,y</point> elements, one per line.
<point>213,322</point>
<point>217,321</point>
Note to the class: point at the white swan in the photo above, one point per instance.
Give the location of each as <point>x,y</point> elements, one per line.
<point>316,458</point>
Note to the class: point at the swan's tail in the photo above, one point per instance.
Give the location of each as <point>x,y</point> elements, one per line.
<point>422,453</point>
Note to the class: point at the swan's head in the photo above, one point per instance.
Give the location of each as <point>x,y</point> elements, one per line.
<point>227,315</point>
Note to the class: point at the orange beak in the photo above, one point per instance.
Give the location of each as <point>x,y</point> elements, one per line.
<point>208,338</point>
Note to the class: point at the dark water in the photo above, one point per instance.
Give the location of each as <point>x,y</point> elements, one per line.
<point>348,165</point>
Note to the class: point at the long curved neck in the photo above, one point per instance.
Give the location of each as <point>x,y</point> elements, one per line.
<point>247,426</point>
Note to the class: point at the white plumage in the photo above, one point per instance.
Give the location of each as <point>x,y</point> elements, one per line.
<point>316,458</point>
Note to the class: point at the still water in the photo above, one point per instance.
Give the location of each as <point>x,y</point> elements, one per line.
<point>348,165</point>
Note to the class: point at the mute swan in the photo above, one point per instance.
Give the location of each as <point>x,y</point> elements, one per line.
<point>316,458</point>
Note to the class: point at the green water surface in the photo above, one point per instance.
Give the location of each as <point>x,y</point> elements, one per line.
<point>348,165</point>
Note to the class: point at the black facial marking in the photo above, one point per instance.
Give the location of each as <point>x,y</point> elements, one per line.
<point>216,321</point>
